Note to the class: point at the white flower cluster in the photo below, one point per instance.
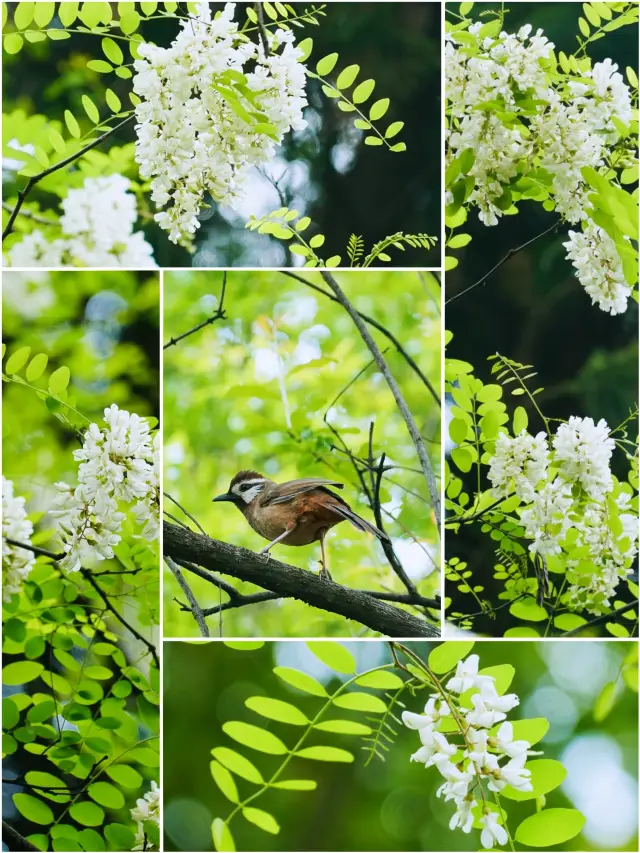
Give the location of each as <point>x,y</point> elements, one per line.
<point>504,108</point>
<point>195,136</point>
<point>599,268</point>
<point>147,808</point>
<point>97,231</point>
<point>16,562</point>
<point>565,487</point>
<point>118,464</point>
<point>478,759</point>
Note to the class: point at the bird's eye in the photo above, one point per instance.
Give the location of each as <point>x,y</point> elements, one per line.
<point>245,487</point>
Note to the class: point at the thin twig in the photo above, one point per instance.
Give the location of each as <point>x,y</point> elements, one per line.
<point>376,325</point>
<point>398,396</point>
<point>504,260</point>
<point>264,38</point>
<point>35,179</point>
<point>193,604</point>
<point>41,220</point>
<point>188,514</point>
<point>600,620</point>
<point>220,314</point>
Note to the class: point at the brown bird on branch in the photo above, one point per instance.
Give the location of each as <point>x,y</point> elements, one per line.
<point>297,512</point>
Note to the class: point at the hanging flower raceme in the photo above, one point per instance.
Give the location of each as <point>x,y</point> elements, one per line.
<point>565,489</point>
<point>16,562</point>
<point>471,744</point>
<point>599,268</point>
<point>213,105</point>
<point>119,466</point>
<point>97,227</point>
<point>146,810</point>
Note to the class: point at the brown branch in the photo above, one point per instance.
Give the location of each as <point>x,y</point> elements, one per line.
<point>194,607</point>
<point>401,403</point>
<point>35,179</point>
<point>219,315</point>
<point>614,616</point>
<point>291,582</point>
<point>376,325</point>
<point>14,840</point>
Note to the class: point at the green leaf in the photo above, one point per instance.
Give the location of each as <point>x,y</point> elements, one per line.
<point>124,775</point>
<point>605,702</point>
<point>502,674</point>
<point>532,730</point>
<point>361,702</point>
<point>334,655</point>
<point>23,15</point>
<point>72,125</point>
<point>37,367</point>
<point>33,809</point>
<point>520,420</point>
<point>100,66</point>
<point>17,361</point>
<point>113,101</point>
<point>300,680</point>
<point>58,382</point>
<point>373,140</point>
<point>343,727</point>
<point>129,22</point>
<point>275,709</point>
<point>546,774</point>
<point>306,46</point>
<point>119,836</point>
<point>112,51</point>
<point>347,77</point>
<point>68,12</point>
<point>326,64</point>
<point>86,813</point>
<point>21,672</point>
<point>90,109</point>
<point>222,838</point>
<point>296,785</point>
<point>378,109</point>
<point>244,645</point>
<point>381,679</point>
<point>43,13</point>
<point>549,827</point>
<point>13,43</point>
<point>254,737</point>
<point>393,129</point>
<point>261,819</point>
<point>100,673</point>
<point>238,764</point>
<point>528,609</point>
<point>363,91</point>
<point>225,781</point>
<point>325,753</point>
<point>106,795</point>
<point>445,656</point>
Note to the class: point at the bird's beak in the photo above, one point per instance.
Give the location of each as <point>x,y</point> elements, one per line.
<point>227,497</point>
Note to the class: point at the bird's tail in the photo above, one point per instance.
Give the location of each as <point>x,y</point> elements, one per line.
<point>358,522</point>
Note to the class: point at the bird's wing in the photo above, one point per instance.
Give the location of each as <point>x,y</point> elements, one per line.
<point>285,492</point>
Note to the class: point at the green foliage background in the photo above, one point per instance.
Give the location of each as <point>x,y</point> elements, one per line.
<point>73,668</point>
<point>538,313</point>
<point>390,806</point>
<point>342,184</point>
<point>221,417</point>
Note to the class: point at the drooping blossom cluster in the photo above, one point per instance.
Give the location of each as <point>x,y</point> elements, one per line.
<point>16,562</point>
<point>97,226</point>
<point>505,109</point>
<point>119,464</point>
<point>566,486</point>
<point>599,268</point>
<point>213,105</point>
<point>147,808</point>
<point>486,760</point>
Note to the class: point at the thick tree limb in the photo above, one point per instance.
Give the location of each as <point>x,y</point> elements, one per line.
<point>14,840</point>
<point>24,192</point>
<point>290,582</point>
<point>401,403</point>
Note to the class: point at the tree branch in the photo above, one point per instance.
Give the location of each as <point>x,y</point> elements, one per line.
<point>376,325</point>
<point>219,315</point>
<point>412,427</point>
<point>23,193</point>
<point>600,620</point>
<point>194,607</point>
<point>14,840</point>
<point>291,582</point>
<point>504,260</point>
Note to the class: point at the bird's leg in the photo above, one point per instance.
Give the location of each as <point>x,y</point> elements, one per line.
<point>324,571</point>
<point>282,536</point>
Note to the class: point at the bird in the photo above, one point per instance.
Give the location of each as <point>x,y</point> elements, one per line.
<point>295,513</point>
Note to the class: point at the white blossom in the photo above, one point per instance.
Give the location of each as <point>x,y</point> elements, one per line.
<point>16,562</point>
<point>519,464</point>
<point>546,519</point>
<point>97,225</point>
<point>483,753</point>
<point>147,808</point>
<point>118,465</point>
<point>492,833</point>
<point>599,268</point>
<point>199,135</point>
<point>583,449</point>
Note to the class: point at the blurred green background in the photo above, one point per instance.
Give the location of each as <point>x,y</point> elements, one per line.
<point>534,309</point>
<point>329,174</point>
<point>392,806</point>
<point>251,392</point>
